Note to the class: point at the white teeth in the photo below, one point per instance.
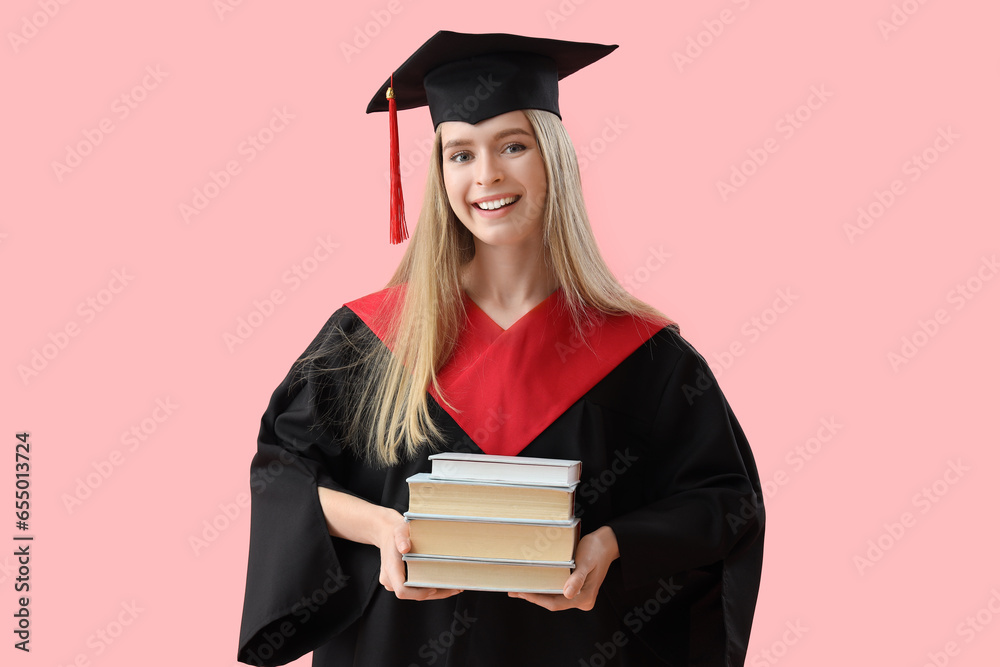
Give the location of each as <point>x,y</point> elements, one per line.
<point>494,204</point>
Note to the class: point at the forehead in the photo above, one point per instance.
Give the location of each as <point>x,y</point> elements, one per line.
<point>458,130</point>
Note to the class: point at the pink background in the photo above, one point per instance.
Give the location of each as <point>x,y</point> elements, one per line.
<point>657,139</point>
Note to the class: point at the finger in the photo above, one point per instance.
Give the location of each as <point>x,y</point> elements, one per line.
<point>402,538</point>
<point>398,579</point>
<point>550,602</point>
<point>575,584</point>
<point>441,594</point>
<point>395,573</point>
<point>418,593</point>
<point>413,593</point>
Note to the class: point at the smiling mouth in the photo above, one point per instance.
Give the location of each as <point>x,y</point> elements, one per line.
<point>495,204</point>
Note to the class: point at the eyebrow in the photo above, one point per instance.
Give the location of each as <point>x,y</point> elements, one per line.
<point>499,135</point>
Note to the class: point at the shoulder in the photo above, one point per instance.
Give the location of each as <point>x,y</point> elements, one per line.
<point>667,358</point>
<point>681,353</point>
<point>343,330</point>
<point>669,339</point>
<point>370,304</point>
<point>378,309</point>
<point>343,321</point>
<point>358,312</point>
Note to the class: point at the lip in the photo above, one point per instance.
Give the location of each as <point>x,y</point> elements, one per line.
<point>500,195</point>
<point>496,213</point>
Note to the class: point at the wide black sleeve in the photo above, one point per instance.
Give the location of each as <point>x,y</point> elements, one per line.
<point>701,490</point>
<point>303,586</point>
<point>695,527</point>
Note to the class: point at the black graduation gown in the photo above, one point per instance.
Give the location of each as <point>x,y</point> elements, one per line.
<point>665,465</point>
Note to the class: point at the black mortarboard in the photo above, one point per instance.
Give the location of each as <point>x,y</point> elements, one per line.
<point>472,77</point>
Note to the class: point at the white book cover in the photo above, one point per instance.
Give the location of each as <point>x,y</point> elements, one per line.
<point>511,469</point>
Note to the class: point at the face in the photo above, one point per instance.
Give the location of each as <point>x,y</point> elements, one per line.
<point>495,179</point>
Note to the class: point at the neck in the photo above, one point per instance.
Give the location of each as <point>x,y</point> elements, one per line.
<point>508,276</point>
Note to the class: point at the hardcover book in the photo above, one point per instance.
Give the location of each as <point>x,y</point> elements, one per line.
<point>483,574</point>
<point>490,499</point>
<point>482,537</point>
<point>512,469</point>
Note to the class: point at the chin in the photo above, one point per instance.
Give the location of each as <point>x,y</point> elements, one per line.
<point>502,240</point>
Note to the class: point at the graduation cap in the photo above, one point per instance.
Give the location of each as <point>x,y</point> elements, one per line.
<point>472,77</point>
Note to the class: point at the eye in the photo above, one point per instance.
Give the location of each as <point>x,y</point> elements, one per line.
<point>457,157</point>
<point>520,147</point>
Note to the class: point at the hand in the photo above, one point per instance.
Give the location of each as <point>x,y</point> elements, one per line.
<point>594,556</point>
<point>394,541</point>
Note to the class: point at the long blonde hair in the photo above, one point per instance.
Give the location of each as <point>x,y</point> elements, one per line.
<point>389,417</point>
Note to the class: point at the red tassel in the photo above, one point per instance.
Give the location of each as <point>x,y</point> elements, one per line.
<point>397,214</point>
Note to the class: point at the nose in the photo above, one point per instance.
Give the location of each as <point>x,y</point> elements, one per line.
<point>488,169</point>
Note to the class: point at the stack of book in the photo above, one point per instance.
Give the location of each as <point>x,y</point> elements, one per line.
<point>493,523</point>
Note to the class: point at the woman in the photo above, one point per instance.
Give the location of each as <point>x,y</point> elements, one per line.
<point>503,332</point>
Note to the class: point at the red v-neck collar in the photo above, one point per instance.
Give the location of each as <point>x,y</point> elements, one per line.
<point>485,327</point>
<point>506,386</point>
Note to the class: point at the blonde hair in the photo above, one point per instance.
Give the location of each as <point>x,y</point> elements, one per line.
<point>389,416</point>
